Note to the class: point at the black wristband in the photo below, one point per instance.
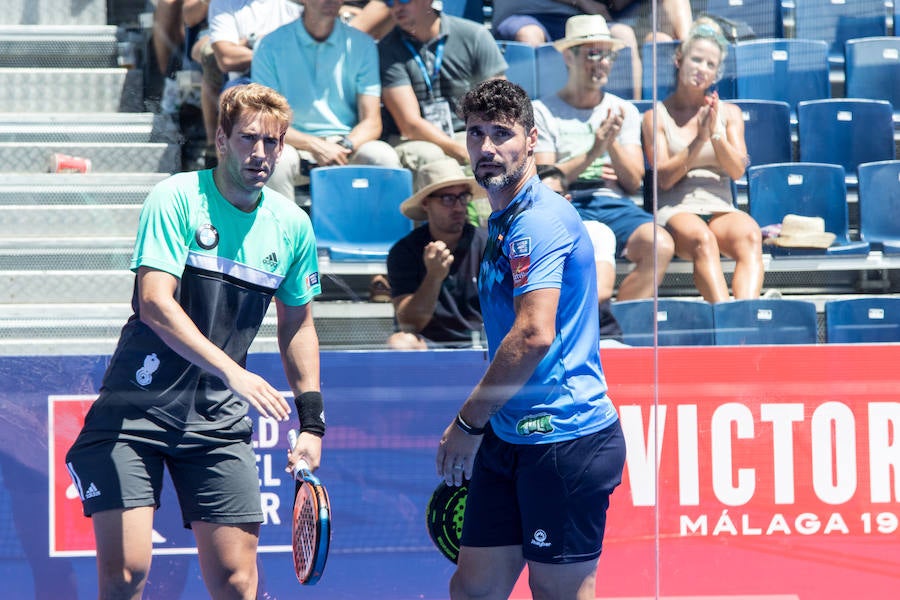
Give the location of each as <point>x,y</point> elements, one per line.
<point>311,412</point>
<point>466,428</point>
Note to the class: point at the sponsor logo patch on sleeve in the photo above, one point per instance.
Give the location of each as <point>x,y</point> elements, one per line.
<point>520,260</point>
<point>312,279</point>
<point>520,247</point>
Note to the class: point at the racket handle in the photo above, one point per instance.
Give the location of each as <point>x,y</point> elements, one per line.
<point>301,465</point>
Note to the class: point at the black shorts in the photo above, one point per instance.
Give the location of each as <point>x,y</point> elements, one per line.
<point>118,458</point>
<point>551,499</point>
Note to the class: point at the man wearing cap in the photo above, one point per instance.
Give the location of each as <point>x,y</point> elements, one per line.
<point>433,271</point>
<point>594,138</point>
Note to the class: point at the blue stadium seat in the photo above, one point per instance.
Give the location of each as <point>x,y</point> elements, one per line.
<point>765,17</point>
<point>665,78</point>
<point>551,73</point>
<point>678,322</point>
<point>643,105</point>
<point>767,132</point>
<point>790,70</point>
<point>467,9</point>
<point>521,60</point>
<point>356,210</point>
<point>806,189</point>
<point>879,205</point>
<point>872,70</point>
<point>836,21</point>
<point>765,321</point>
<point>846,132</point>
<point>868,319</point>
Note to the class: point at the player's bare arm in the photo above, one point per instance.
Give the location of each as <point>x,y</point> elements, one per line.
<point>532,333</point>
<point>161,312</point>
<point>298,343</point>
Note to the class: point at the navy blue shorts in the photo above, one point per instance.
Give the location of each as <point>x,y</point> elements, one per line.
<point>620,214</point>
<point>550,499</point>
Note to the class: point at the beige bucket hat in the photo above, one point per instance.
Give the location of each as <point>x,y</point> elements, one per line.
<point>432,177</point>
<point>587,29</point>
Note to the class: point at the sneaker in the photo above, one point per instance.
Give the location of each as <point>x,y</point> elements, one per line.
<point>772,294</point>
<point>379,289</point>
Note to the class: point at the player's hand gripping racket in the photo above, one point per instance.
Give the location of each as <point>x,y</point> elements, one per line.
<point>444,517</point>
<point>311,526</point>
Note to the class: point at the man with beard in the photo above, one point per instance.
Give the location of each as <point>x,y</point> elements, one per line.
<point>594,138</point>
<point>538,438</point>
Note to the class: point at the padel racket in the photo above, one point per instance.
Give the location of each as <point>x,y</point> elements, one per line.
<point>311,526</point>
<point>444,517</point>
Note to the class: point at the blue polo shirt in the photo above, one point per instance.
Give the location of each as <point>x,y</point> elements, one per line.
<point>321,80</point>
<point>537,242</point>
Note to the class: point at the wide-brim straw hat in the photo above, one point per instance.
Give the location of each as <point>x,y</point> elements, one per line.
<point>587,29</point>
<point>804,232</point>
<point>432,177</point>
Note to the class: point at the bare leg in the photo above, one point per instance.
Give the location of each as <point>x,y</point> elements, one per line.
<point>486,573</point>
<point>740,238</point>
<point>626,35</point>
<point>228,559</point>
<point>677,16</point>
<point>643,279</point>
<point>531,35</point>
<point>572,580</point>
<point>124,551</point>
<point>695,241</point>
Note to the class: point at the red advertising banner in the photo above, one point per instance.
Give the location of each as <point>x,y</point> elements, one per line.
<point>70,533</point>
<point>755,472</point>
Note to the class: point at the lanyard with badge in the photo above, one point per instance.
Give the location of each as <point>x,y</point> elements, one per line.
<point>435,111</point>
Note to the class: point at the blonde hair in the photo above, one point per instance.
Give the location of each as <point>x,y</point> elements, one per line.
<point>705,28</point>
<point>256,98</point>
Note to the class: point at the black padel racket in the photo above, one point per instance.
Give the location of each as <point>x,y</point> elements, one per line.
<point>444,517</point>
<point>311,525</point>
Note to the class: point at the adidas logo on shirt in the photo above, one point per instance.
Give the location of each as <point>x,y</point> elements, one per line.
<point>271,261</point>
<point>91,492</point>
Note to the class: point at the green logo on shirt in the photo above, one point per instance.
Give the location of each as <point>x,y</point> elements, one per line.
<point>534,424</point>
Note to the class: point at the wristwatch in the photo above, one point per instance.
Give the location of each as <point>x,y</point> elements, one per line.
<point>346,143</point>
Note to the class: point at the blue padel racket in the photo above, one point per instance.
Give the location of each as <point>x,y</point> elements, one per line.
<point>444,517</point>
<point>311,526</point>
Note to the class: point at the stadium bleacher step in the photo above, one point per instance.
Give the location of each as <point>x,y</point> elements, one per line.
<point>59,220</point>
<point>65,285</point>
<point>93,327</point>
<point>36,157</point>
<point>64,46</point>
<point>76,189</point>
<point>29,90</point>
<point>53,12</point>
<point>114,127</point>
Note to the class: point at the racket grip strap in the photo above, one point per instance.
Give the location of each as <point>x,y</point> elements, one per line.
<point>466,428</point>
<point>311,411</point>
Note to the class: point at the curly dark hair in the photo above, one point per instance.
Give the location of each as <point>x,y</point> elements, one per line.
<point>498,100</point>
